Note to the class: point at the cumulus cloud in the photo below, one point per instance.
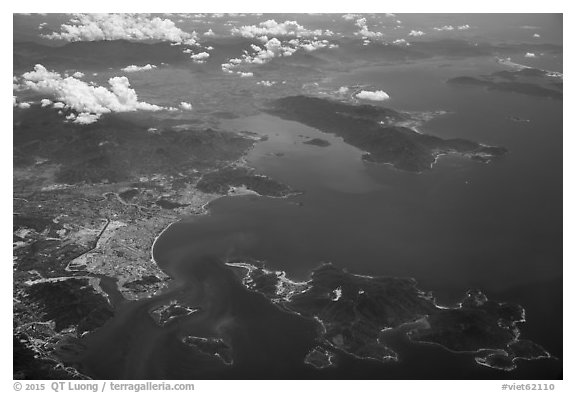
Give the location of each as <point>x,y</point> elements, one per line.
<point>315,45</point>
<point>536,35</point>
<point>444,28</point>
<point>350,16</point>
<point>186,106</point>
<point>98,27</point>
<point>245,74</point>
<point>209,33</point>
<point>266,83</point>
<point>78,74</point>
<point>416,33</point>
<point>273,28</point>
<point>200,57</point>
<point>273,48</point>
<point>530,54</point>
<point>86,118</point>
<point>21,105</point>
<point>361,22</point>
<point>464,27</point>
<point>87,100</point>
<point>227,67</point>
<point>45,102</point>
<point>364,31</point>
<point>401,41</point>
<point>135,68</point>
<point>377,95</point>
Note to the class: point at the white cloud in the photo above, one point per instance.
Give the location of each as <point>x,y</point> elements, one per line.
<point>209,33</point>
<point>245,74</point>
<point>529,54</point>
<point>84,98</point>
<point>98,27</point>
<point>401,41</point>
<point>266,83</point>
<point>273,48</point>
<point>350,16</point>
<point>273,28</point>
<point>364,31</point>
<point>24,105</point>
<point>343,90</point>
<point>135,68</point>
<point>378,95</point>
<point>416,33</point>
<point>227,67</point>
<point>78,74</point>
<point>314,45</point>
<point>86,118</point>
<point>361,22</point>
<point>45,102</point>
<point>200,57</point>
<point>444,28</point>
<point>464,27</point>
<point>536,35</point>
<point>186,106</point>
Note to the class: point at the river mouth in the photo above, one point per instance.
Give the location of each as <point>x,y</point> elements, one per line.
<point>461,225</point>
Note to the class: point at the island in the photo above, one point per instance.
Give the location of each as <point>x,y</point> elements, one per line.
<point>166,313</point>
<point>356,313</point>
<point>213,347</point>
<point>380,132</point>
<point>524,80</point>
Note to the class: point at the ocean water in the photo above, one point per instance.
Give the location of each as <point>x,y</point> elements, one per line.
<point>496,227</point>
